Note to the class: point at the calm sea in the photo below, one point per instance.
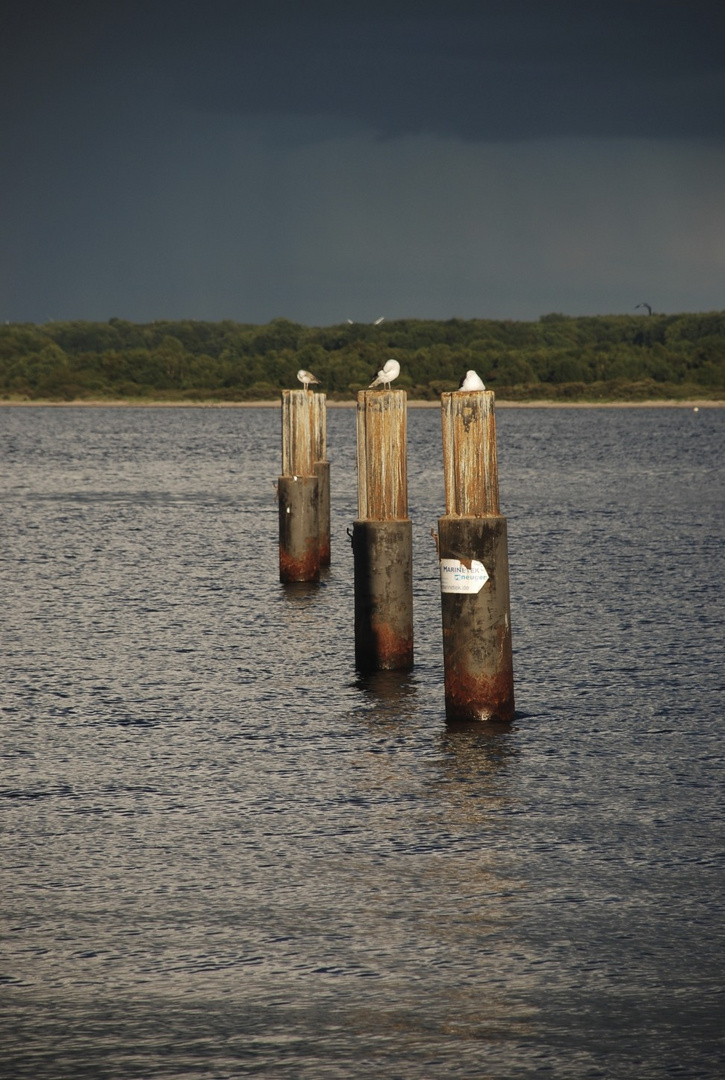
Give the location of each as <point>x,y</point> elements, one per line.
<point>224,855</point>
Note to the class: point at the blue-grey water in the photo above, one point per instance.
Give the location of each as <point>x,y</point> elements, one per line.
<point>224,855</point>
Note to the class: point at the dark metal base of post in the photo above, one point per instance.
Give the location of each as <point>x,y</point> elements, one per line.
<point>322,471</point>
<point>477,656</point>
<point>383,554</point>
<point>299,528</point>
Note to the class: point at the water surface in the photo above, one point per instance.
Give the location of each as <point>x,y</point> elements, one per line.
<point>225,855</point>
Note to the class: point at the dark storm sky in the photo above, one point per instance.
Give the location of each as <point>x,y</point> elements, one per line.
<point>321,161</point>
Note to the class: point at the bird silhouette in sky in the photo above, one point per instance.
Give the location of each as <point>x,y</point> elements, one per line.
<point>648,306</point>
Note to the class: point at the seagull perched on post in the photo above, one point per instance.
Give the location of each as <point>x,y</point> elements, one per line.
<point>389,371</point>
<point>306,377</point>
<point>471,381</point>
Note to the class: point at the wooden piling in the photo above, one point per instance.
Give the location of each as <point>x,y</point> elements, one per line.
<point>304,487</point>
<point>470,463</point>
<point>322,471</point>
<point>473,553</point>
<point>303,427</point>
<point>382,463</point>
<point>382,537</point>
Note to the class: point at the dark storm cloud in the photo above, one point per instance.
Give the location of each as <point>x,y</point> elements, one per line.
<point>479,70</point>
<point>482,71</point>
<point>322,160</point>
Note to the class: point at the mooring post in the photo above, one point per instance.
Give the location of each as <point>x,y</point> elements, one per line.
<point>473,553</point>
<point>298,488</point>
<point>322,472</point>
<point>382,536</point>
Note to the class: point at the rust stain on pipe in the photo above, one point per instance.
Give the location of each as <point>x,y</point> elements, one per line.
<point>482,697</point>
<point>325,552</point>
<point>392,651</point>
<point>299,568</point>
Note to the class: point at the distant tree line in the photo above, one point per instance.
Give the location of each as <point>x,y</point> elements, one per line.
<point>618,357</point>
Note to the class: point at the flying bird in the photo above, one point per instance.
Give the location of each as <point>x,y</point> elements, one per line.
<point>378,321</point>
<point>471,381</point>
<point>306,377</point>
<point>649,309</point>
<point>389,371</point>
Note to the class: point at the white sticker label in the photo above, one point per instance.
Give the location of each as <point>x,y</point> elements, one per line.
<point>457,578</point>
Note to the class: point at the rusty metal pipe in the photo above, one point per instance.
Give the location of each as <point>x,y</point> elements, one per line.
<point>477,655</point>
<point>299,528</point>
<point>383,557</point>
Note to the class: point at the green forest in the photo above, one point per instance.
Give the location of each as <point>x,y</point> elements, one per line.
<point>597,358</point>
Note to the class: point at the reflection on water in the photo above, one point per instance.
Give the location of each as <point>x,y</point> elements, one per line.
<point>477,753</point>
<point>389,697</point>
<point>226,854</point>
<point>301,596</point>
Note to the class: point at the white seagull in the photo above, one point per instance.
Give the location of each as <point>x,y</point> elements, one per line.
<point>306,377</point>
<point>471,381</point>
<point>389,371</point>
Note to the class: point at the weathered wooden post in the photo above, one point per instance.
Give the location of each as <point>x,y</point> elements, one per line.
<point>322,472</point>
<point>473,552</point>
<point>382,537</point>
<point>298,489</point>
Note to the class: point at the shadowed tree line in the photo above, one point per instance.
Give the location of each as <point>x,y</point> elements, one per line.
<point>598,358</point>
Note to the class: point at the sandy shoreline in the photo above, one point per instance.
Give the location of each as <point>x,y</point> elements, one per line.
<point>137,404</point>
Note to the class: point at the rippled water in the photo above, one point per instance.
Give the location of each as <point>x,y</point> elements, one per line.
<point>224,855</point>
